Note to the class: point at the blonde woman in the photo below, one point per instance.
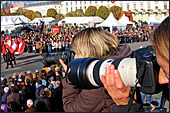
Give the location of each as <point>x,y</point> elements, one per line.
<point>95,43</point>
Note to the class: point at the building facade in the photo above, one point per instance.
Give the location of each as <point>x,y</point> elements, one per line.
<point>142,10</point>
<point>43,6</point>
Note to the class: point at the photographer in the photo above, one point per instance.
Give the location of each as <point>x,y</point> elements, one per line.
<point>113,83</point>
<point>95,43</point>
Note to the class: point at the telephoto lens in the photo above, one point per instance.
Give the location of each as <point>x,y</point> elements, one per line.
<point>85,73</point>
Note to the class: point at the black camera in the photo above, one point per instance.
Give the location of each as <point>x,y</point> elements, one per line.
<point>49,59</point>
<point>85,73</point>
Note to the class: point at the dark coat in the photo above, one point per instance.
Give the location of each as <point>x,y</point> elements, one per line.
<point>13,100</point>
<point>31,109</point>
<point>14,97</point>
<point>93,100</point>
<point>4,97</point>
<point>37,91</point>
<point>42,104</point>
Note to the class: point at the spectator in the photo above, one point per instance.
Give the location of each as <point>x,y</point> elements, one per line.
<point>4,96</point>
<point>5,108</point>
<point>13,100</point>
<point>31,107</point>
<point>40,87</point>
<point>41,77</point>
<point>42,102</point>
<point>95,43</point>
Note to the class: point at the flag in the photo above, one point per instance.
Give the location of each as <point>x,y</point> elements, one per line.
<point>9,42</point>
<point>20,39</point>
<point>14,47</point>
<point>3,50</point>
<point>22,47</point>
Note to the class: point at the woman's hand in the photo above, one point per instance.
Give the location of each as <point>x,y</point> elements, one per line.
<point>63,64</point>
<point>114,85</point>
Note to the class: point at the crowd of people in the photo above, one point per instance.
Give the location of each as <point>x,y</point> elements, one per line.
<point>37,42</point>
<point>46,90</point>
<point>39,91</point>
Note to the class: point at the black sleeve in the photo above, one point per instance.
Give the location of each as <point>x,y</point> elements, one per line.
<point>123,108</point>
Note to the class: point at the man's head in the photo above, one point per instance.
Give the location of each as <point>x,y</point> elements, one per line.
<point>39,82</point>
<point>6,89</point>
<point>29,103</point>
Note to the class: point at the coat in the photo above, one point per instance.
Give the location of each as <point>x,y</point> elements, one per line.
<point>91,100</point>
<point>42,104</point>
<point>31,109</point>
<point>14,97</point>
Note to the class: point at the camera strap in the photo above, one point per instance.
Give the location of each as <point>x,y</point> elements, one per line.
<point>131,95</point>
<point>66,75</point>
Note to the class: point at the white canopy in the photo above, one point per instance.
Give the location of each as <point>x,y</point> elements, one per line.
<point>18,21</point>
<point>110,22</point>
<point>14,18</point>
<point>125,20</point>
<point>46,20</point>
<point>10,21</point>
<point>81,20</point>
<point>162,19</point>
<point>152,20</point>
<point>3,21</point>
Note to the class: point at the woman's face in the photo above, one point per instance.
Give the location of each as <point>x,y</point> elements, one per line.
<point>164,70</point>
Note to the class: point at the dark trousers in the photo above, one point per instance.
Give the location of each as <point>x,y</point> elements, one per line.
<point>9,61</point>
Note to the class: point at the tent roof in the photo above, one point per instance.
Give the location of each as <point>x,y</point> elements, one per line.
<point>124,20</point>
<point>81,20</point>
<point>3,21</point>
<point>111,21</point>
<point>152,19</point>
<point>46,20</point>
<point>14,18</point>
<point>18,21</point>
<point>162,19</point>
<point>10,21</point>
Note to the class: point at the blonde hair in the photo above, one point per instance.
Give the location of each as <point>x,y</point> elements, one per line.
<point>160,39</point>
<point>95,43</point>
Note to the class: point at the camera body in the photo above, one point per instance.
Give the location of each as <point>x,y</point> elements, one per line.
<point>86,73</point>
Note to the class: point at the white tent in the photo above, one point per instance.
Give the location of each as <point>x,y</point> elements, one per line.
<point>81,20</point>
<point>110,22</point>
<point>14,18</point>
<point>125,20</point>
<point>162,19</point>
<point>10,21</point>
<point>46,20</point>
<point>18,20</point>
<point>3,21</point>
<point>152,21</point>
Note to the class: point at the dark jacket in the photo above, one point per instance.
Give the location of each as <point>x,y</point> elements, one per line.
<point>14,97</point>
<point>93,100</point>
<point>42,104</point>
<point>31,109</point>
<point>4,97</point>
<point>37,92</point>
